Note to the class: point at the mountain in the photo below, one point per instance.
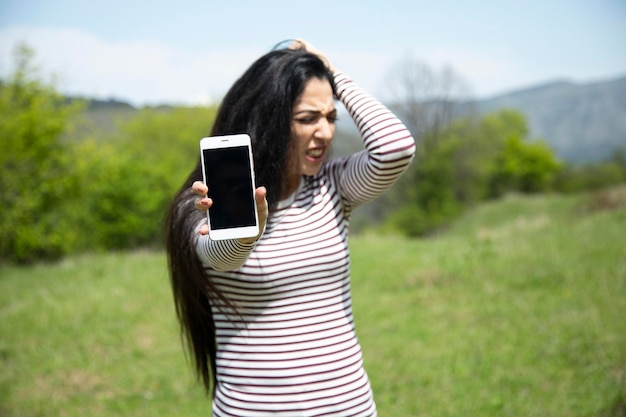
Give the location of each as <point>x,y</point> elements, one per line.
<point>581,122</point>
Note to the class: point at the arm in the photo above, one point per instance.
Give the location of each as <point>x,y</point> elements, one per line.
<point>222,255</point>
<point>389,146</point>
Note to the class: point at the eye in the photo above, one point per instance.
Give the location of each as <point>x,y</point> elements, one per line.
<point>309,118</point>
<point>305,120</point>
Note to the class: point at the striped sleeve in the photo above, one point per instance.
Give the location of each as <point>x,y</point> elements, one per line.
<point>389,146</point>
<point>222,255</point>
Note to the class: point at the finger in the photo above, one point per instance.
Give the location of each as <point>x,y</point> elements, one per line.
<point>203,203</point>
<point>200,188</point>
<point>204,230</point>
<point>259,195</point>
<point>297,44</point>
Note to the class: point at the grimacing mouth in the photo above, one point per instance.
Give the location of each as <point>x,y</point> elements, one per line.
<point>315,152</point>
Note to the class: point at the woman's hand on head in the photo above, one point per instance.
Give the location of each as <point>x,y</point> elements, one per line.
<point>204,203</point>
<point>300,43</point>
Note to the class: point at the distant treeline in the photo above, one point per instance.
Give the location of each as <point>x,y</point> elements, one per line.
<point>67,186</point>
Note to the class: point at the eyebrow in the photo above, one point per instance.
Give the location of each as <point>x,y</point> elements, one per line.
<point>314,112</point>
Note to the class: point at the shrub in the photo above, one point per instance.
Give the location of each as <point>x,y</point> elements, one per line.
<point>37,175</point>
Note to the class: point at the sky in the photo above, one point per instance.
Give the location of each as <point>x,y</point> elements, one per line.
<point>190,52</point>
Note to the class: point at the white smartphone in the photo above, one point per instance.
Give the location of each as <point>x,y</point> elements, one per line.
<point>228,171</point>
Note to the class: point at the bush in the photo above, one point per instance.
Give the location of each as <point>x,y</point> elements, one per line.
<point>63,191</point>
<point>571,179</point>
<point>37,175</point>
<point>528,167</point>
<point>131,176</point>
<point>468,162</point>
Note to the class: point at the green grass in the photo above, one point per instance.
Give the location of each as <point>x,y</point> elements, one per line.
<point>93,336</point>
<point>517,310</point>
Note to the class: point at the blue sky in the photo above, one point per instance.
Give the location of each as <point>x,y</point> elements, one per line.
<point>149,52</point>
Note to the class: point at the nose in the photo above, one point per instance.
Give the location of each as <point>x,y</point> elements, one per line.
<point>325,129</point>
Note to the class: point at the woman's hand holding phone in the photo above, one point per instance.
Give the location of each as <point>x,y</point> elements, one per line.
<point>204,203</point>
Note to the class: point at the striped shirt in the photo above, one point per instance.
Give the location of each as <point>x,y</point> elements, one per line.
<point>291,349</point>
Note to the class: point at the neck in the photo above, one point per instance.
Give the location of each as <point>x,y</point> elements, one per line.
<point>290,186</point>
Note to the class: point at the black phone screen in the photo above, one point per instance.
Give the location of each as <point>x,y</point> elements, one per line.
<point>227,174</point>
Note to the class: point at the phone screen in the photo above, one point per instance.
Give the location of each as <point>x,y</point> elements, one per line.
<point>227,174</point>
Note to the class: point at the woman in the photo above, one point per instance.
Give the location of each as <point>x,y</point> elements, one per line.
<point>269,320</point>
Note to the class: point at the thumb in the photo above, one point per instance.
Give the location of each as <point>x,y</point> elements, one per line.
<point>262,211</point>
<point>260,195</point>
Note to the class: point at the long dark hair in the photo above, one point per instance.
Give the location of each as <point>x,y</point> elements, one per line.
<point>259,103</point>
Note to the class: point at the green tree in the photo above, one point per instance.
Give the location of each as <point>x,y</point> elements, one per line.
<point>593,176</point>
<point>132,176</point>
<point>469,161</point>
<point>429,199</point>
<point>528,167</point>
<point>36,174</point>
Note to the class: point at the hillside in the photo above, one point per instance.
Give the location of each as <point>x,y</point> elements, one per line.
<point>582,122</point>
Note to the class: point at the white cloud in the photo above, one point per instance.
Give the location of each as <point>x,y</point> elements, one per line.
<point>150,72</point>
<point>142,72</point>
<point>485,73</point>
<point>147,72</point>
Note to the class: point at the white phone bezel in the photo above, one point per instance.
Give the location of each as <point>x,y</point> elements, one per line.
<point>227,141</point>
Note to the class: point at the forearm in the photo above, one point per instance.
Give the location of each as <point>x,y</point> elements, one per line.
<point>389,146</point>
<point>222,255</point>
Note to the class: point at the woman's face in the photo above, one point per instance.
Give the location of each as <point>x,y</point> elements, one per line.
<point>313,126</point>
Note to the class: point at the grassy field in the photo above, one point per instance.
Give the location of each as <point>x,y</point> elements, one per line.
<point>517,310</point>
